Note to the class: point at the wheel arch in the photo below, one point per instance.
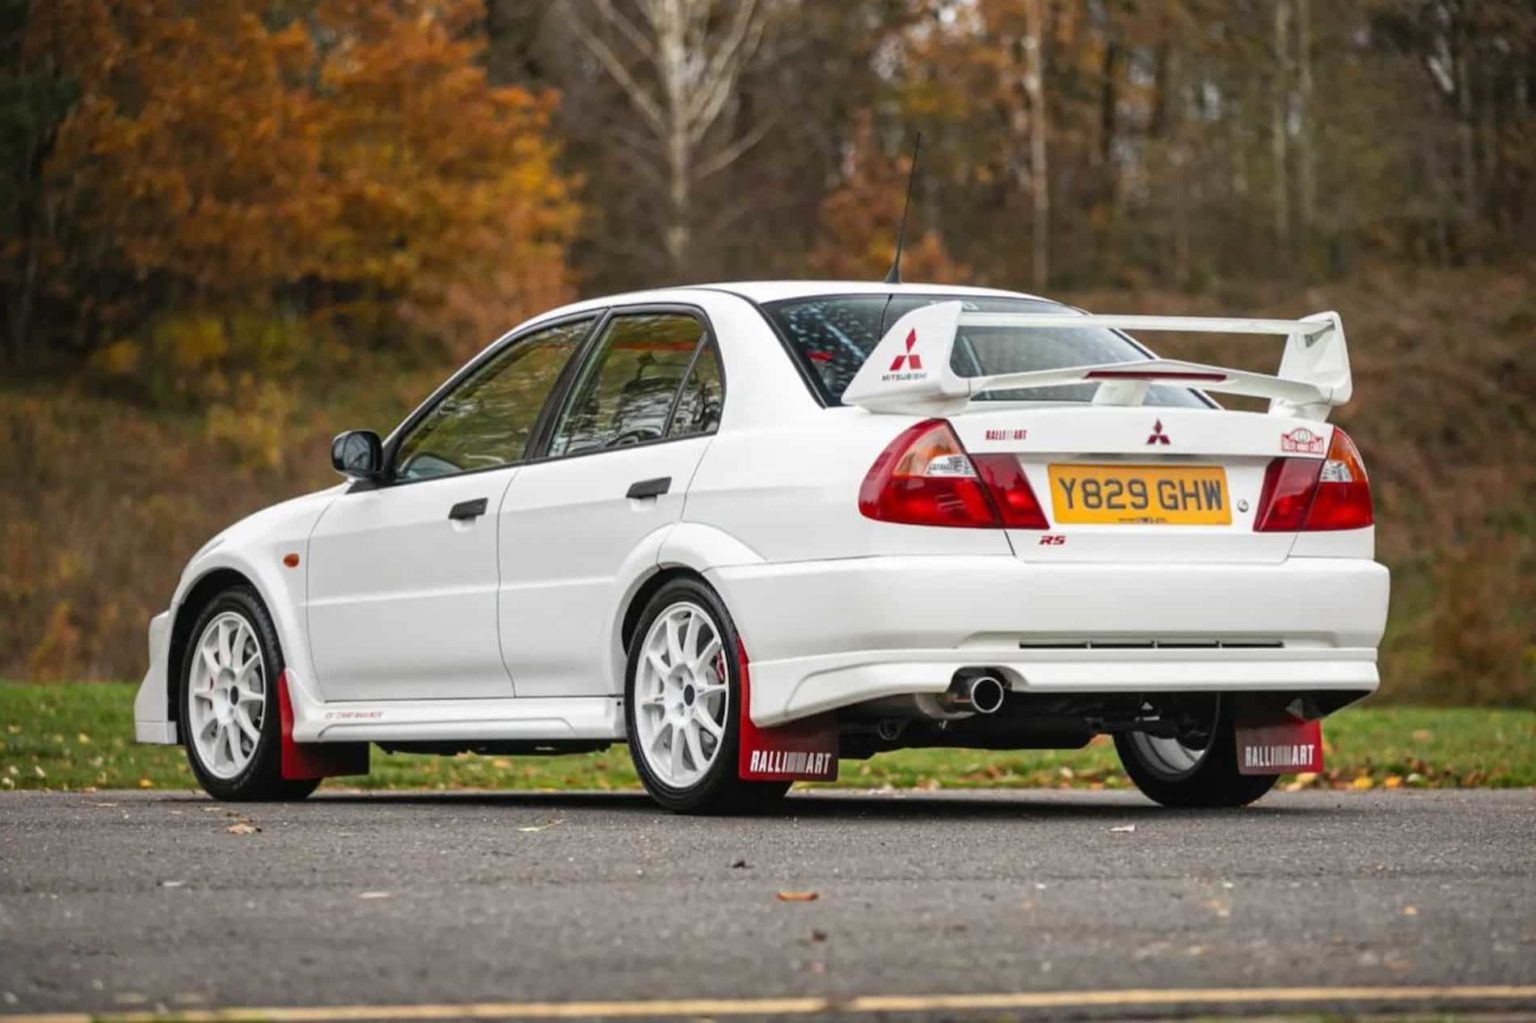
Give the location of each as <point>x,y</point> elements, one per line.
<point>647,589</point>
<point>207,586</point>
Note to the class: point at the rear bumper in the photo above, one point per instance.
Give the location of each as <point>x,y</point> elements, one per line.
<point>829,634</point>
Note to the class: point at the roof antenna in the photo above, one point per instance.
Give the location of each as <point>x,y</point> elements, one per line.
<point>894,275</point>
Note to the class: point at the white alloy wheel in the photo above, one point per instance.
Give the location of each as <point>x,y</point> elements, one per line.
<point>227,695</point>
<point>681,695</point>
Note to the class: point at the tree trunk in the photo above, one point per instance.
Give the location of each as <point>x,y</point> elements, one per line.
<point>1279,130</point>
<point>1306,154</point>
<point>1039,170</point>
<point>669,21</point>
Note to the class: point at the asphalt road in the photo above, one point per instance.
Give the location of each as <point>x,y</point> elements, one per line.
<point>129,901</point>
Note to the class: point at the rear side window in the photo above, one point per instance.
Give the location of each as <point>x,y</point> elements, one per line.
<point>628,389</point>
<point>833,335</point>
<point>702,398</point>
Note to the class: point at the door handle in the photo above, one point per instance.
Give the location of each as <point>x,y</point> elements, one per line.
<point>466,510</point>
<point>650,488</point>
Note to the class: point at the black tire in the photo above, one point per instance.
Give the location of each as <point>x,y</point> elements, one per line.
<point>262,778</point>
<point>1213,782</point>
<point>720,789</point>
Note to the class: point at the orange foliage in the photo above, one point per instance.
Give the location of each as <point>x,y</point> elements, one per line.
<point>859,220</point>
<point>230,161</point>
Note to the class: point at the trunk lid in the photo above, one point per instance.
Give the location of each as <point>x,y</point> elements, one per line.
<point>1142,484</point>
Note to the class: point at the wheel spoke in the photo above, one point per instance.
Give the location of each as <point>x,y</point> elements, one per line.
<point>707,655</point>
<point>674,642</point>
<point>244,721</point>
<point>708,723</point>
<point>211,662</point>
<point>677,755</point>
<point>695,747</point>
<point>691,640</point>
<point>661,733</point>
<point>226,655</point>
<point>658,665</point>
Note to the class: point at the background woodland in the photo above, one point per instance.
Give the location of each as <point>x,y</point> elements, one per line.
<point>230,228</point>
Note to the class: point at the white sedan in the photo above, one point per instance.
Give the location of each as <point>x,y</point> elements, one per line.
<point>754,528</point>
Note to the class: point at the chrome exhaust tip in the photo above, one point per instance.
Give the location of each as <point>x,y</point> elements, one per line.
<point>985,694</point>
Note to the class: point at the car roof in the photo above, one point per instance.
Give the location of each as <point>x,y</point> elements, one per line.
<point>775,291</point>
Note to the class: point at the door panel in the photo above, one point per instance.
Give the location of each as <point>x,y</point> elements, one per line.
<point>403,578</point>
<point>626,445</point>
<point>402,597</point>
<point>566,528</point>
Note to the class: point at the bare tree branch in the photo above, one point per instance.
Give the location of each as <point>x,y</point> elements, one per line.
<point>637,94</point>
<point>736,150</point>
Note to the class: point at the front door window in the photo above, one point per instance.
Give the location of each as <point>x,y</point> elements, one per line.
<point>487,420</point>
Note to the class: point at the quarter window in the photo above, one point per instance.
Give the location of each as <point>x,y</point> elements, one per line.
<point>487,420</point>
<point>627,390</point>
<point>701,400</point>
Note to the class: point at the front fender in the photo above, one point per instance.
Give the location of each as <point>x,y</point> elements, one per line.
<point>255,548</point>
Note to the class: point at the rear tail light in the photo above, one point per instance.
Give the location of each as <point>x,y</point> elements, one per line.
<point>1011,491</point>
<point>1306,495</point>
<point>925,478</point>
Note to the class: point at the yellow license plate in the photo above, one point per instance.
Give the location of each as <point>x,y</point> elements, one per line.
<point>1140,494</point>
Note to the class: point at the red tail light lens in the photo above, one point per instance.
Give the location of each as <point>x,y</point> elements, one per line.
<point>1343,489</point>
<point>1011,491</point>
<point>1290,484</point>
<point>925,478</point>
<point>1304,495</point>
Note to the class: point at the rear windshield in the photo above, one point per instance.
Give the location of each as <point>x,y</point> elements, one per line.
<point>833,335</point>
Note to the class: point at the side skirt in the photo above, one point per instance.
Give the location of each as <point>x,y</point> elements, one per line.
<point>524,719</point>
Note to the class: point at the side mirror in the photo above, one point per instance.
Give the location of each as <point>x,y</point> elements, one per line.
<point>358,455</point>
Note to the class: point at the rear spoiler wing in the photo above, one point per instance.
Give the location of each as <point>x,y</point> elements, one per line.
<point>909,370</point>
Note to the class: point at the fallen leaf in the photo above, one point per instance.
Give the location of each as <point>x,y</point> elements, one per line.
<point>373,895</point>
<point>1363,782</point>
<point>145,783</point>
<point>541,827</point>
<point>1124,829</point>
<point>739,865</point>
<point>37,770</point>
<point>172,884</point>
<point>1392,781</point>
<point>242,828</point>
<point>818,935</point>
<point>797,896</point>
<point>1410,911</point>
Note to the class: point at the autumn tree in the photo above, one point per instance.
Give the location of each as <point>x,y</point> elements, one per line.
<point>860,219</point>
<point>354,162</point>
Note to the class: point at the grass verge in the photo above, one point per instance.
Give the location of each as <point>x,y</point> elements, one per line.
<point>78,736</point>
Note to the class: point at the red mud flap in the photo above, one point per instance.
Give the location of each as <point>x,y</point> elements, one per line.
<point>804,750</point>
<point>306,760</point>
<point>1274,741</point>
